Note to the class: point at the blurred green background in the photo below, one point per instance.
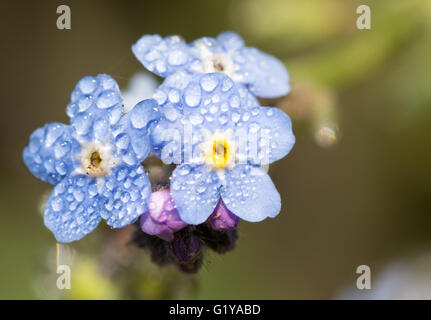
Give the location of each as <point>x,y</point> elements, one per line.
<point>355,189</point>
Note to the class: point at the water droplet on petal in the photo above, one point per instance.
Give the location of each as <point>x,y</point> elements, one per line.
<point>87,84</point>
<point>174,96</point>
<point>61,168</point>
<point>160,97</point>
<point>213,108</point>
<point>122,141</point>
<point>192,95</point>
<point>82,124</point>
<point>183,170</point>
<point>209,82</point>
<point>177,58</point>
<point>254,127</point>
<point>161,66</point>
<point>223,119</point>
<point>57,204</point>
<point>61,149</point>
<point>108,99</point>
<point>235,116</point>
<point>201,189</point>
<point>234,101</point>
<point>246,116</point>
<point>85,103</point>
<point>226,85</point>
<point>170,113</point>
<point>196,119</point>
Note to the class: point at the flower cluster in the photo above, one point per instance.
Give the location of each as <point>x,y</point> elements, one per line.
<point>204,118</point>
<point>94,162</point>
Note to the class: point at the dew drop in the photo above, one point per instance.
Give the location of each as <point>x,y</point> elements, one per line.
<point>234,101</point>
<point>170,113</point>
<point>57,204</point>
<point>78,195</point>
<point>209,82</point>
<point>161,66</point>
<point>223,119</point>
<point>183,170</point>
<point>177,58</point>
<point>201,189</point>
<point>235,116</point>
<point>87,84</point>
<point>108,99</point>
<point>192,95</point>
<point>122,141</point>
<point>246,116</point>
<point>254,127</point>
<point>196,119</point>
<point>174,96</point>
<point>82,124</point>
<point>54,132</point>
<point>226,85</point>
<point>85,103</point>
<point>61,149</point>
<point>160,97</point>
<point>213,108</point>
<point>61,168</point>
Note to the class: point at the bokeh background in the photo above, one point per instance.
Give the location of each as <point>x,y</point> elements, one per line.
<point>356,188</point>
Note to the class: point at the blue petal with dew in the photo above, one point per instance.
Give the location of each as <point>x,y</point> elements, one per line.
<point>131,135</point>
<point>73,208</point>
<point>195,191</point>
<point>263,74</point>
<point>270,134</point>
<point>95,107</point>
<point>50,152</point>
<point>163,56</point>
<point>125,195</point>
<point>250,194</point>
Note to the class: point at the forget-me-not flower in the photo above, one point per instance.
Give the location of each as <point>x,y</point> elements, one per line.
<point>263,74</point>
<point>93,163</point>
<point>219,146</point>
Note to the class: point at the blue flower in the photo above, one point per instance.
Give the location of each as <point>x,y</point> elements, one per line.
<point>94,163</point>
<point>219,142</point>
<point>261,73</point>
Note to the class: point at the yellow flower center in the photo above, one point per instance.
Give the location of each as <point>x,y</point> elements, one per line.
<point>220,153</point>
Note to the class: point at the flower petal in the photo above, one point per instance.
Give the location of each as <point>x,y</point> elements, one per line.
<point>131,134</point>
<point>195,190</point>
<point>265,75</point>
<point>154,228</point>
<point>230,40</point>
<point>222,218</point>
<point>270,136</point>
<point>49,154</point>
<point>72,210</point>
<point>162,218</point>
<point>126,193</point>
<point>250,194</point>
<point>95,106</point>
<point>163,56</point>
